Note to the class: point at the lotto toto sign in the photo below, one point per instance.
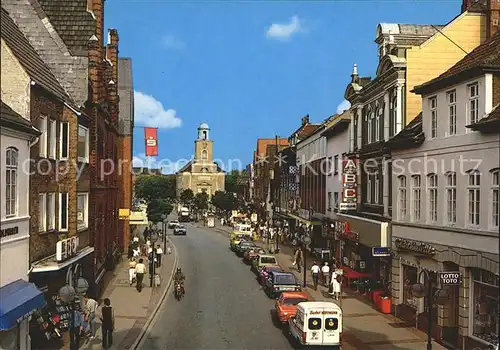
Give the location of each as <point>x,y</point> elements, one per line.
<point>450,278</point>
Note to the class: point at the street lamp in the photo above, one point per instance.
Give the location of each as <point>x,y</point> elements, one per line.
<point>68,293</point>
<point>306,240</point>
<point>153,239</point>
<point>419,291</point>
<point>278,225</point>
<point>164,235</point>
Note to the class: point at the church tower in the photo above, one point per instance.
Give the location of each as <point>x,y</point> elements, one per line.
<point>203,145</point>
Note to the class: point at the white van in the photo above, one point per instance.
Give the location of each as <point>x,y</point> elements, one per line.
<point>317,323</point>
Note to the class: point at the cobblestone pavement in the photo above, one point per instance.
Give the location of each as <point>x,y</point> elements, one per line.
<point>133,309</point>
<point>365,327</point>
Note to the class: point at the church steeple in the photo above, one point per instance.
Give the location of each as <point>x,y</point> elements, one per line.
<point>203,132</point>
<point>203,145</point>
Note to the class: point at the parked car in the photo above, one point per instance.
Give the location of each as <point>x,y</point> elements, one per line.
<point>263,260</point>
<point>180,230</point>
<point>286,304</point>
<point>252,253</point>
<point>234,241</point>
<point>242,247</point>
<point>279,282</point>
<point>173,223</point>
<point>262,276</point>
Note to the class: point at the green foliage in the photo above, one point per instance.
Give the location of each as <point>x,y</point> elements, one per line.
<point>187,196</point>
<point>231,181</point>
<point>225,201</point>
<point>157,208</point>
<point>201,201</point>
<point>149,187</point>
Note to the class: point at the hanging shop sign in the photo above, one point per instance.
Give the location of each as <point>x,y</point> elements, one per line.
<point>343,231</point>
<point>450,278</point>
<point>381,251</point>
<point>349,185</point>
<point>67,248</point>
<point>414,246</point>
<point>124,214</point>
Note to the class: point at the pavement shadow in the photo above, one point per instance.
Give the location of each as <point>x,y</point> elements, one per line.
<point>353,337</point>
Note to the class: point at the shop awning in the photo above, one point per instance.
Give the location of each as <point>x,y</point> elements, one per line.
<point>18,300</point>
<point>307,222</point>
<point>138,218</point>
<point>50,263</point>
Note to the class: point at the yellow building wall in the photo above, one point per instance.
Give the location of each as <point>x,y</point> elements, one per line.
<point>438,54</point>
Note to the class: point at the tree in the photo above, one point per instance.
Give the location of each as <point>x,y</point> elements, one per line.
<point>201,201</point>
<point>149,187</point>
<point>187,196</point>
<point>231,181</point>
<point>157,208</point>
<point>224,201</point>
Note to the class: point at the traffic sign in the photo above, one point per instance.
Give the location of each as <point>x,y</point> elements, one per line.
<point>450,278</point>
<point>381,251</point>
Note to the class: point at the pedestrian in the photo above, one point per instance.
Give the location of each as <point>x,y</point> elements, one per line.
<point>169,250</point>
<point>159,254</point>
<point>140,270</point>
<point>315,274</point>
<point>130,253</point>
<point>108,324</point>
<point>75,328</point>
<point>131,270</point>
<point>136,239</point>
<point>90,314</point>
<point>335,285</point>
<point>325,269</point>
<point>299,260</point>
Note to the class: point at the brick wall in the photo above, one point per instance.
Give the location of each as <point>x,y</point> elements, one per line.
<point>52,175</point>
<point>125,181</point>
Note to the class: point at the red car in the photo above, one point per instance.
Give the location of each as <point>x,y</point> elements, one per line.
<point>265,272</point>
<point>286,305</point>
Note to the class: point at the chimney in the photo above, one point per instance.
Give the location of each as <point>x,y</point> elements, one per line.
<point>305,120</point>
<point>94,69</point>
<point>96,7</point>
<point>112,52</point>
<point>492,18</point>
<point>466,4</point>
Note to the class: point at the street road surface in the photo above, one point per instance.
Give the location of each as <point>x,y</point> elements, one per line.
<point>224,306</point>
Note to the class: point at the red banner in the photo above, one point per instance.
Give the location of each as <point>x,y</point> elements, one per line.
<point>151,137</point>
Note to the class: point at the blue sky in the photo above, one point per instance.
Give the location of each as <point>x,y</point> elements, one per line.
<point>249,69</point>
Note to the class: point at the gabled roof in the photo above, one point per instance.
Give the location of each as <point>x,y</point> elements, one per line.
<point>407,34</point>
<point>411,136</point>
<point>485,57</point>
<point>31,62</point>
<point>74,24</point>
<point>12,120</point>
<point>262,144</point>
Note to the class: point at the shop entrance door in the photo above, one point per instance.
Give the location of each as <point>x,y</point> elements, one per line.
<point>450,328</point>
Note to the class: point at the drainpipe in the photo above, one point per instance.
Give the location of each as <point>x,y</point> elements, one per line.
<point>33,141</point>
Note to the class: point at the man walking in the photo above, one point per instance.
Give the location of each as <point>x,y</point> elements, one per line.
<point>159,254</point>
<point>75,329</point>
<point>315,274</point>
<point>90,311</point>
<point>108,324</point>
<point>325,269</point>
<point>140,270</point>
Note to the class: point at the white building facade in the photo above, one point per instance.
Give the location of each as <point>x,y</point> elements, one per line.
<point>446,203</point>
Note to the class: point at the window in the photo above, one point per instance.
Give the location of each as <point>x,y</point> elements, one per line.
<point>204,154</point>
<point>473,103</point>
<point>42,142</point>
<point>376,190</point>
<point>336,199</point>
<point>393,113</point>
<point>52,138</point>
<point>369,116</point>
<point>474,196</point>
<point>82,211</point>
<point>63,211</point>
<point>485,300</point>
<point>331,324</point>
<point>416,195</point>
<point>432,189</point>
<point>83,144</point>
<point>402,197</point>
<point>329,166</point>
<point>410,276</point>
<point>495,199</point>
<point>64,141</point>
<point>451,198</point>
<point>336,164</point>
<point>329,198</point>
<point>374,130</point>
<point>314,323</point>
<point>369,188</point>
<point>433,112</point>
<point>11,164</point>
<point>51,211</point>
<point>42,217</point>
<point>452,112</point>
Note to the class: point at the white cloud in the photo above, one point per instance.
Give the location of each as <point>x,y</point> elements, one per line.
<point>283,31</point>
<point>171,42</point>
<point>150,112</point>
<point>343,106</point>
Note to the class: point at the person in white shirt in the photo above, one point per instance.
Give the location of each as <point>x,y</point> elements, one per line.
<point>325,269</point>
<point>90,314</point>
<point>140,270</point>
<point>136,239</point>
<point>315,269</point>
<point>335,290</point>
<point>159,254</point>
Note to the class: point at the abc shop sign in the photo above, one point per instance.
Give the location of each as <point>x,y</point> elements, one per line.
<point>349,184</point>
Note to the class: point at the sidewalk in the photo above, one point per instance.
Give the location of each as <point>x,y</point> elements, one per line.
<point>133,309</point>
<point>366,327</point>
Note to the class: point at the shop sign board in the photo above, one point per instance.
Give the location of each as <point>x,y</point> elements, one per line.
<point>5,232</point>
<point>67,248</point>
<point>450,278</point>
<point>415,246</point>
<point>381,251</point>
<point>343,230</point>
<point>123,214</point>
<point>349,185</point>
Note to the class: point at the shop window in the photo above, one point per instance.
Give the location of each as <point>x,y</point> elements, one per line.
<point>410,275</point>
<point>485,297</point>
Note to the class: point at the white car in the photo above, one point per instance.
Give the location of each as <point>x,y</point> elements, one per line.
<point>180,230</point>
<point>173,223</point>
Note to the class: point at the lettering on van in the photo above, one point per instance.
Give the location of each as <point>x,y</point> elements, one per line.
<point>331,312</point>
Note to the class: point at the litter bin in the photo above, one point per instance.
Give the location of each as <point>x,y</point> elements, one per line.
<point>385,305</point>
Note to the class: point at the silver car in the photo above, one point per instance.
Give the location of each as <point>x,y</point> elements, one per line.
<point>180,230</point>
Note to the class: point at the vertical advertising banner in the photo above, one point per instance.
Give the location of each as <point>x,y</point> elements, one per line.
<point>151,136</point>
<point>349,184</point>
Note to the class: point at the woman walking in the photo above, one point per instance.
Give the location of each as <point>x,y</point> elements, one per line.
<point>108,324</point>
